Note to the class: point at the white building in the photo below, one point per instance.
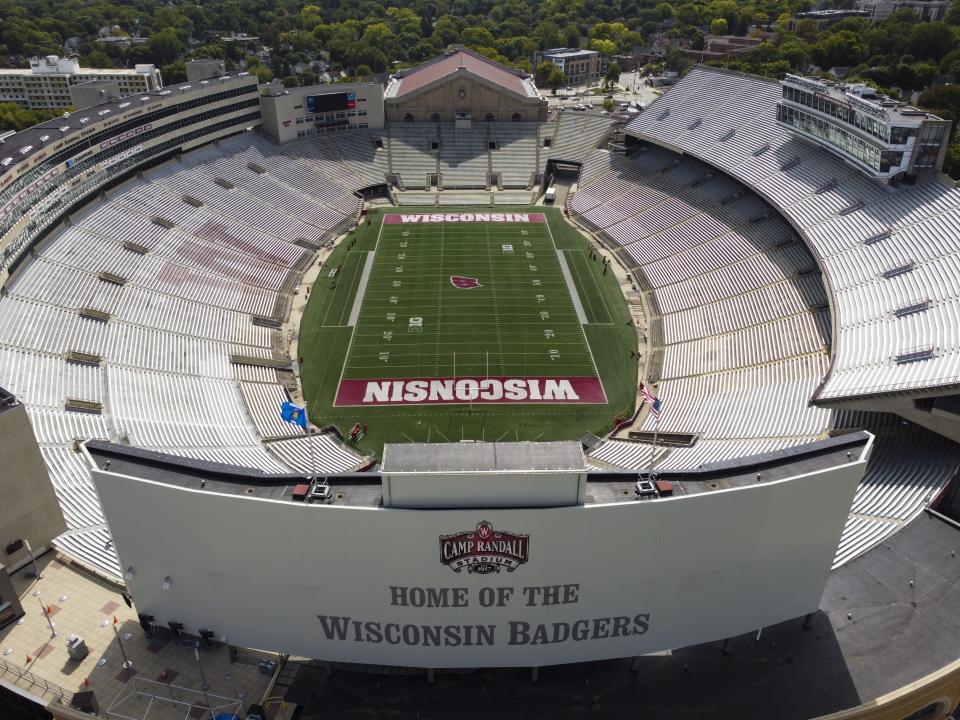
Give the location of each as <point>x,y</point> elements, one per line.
<point>46,83</point>
<point>291,113</point>
<point>878,135</point>
<point>930,10</point>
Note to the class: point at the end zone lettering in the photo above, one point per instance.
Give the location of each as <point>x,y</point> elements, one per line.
<point>396,219</point>
<point>464,390</point>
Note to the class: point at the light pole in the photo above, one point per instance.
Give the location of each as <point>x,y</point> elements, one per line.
<point>203,678</point>
<point>43,609</point>
<point>126,661</point>
<point>33,559</point>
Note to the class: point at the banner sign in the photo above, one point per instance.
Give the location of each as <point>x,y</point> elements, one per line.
<point>466,390</point>
<point>464,217</point>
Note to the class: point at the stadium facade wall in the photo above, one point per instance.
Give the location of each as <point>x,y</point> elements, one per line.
<point>932,698</point>
<point>29,509</point>
<point>383,586</point>
<point>478,98</point>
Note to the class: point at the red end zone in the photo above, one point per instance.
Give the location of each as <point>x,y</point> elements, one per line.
<point>465,217</point>
<point>476,390</point>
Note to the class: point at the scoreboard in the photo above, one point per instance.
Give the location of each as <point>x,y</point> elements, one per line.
<point>331,102</point>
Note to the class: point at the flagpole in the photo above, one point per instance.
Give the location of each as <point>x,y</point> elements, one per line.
<point>313,465</point>
<point>656,430</point>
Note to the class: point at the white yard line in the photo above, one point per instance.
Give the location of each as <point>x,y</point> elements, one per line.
<point>361,290</point>
<point>571,286</point>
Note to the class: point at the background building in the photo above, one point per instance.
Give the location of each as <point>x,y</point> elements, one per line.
<point>931,10</point>
<point>46,83</point>
<point>205,68</point>
<point>94,92</point>
<point>463,85</point>
<point>580,66</point>
<point>881,136</point>
<point>291,113</point>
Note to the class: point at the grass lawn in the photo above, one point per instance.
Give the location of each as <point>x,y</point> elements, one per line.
<point>520,320</point>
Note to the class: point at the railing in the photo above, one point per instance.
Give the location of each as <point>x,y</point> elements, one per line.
<point>64,696</point>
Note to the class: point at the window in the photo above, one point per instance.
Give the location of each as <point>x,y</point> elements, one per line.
<point>516,117</point>
<point>434,117</point>
<point>407,117</point>
<point>490,117</point>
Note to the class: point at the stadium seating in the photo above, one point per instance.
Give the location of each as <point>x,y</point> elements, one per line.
<point>576,135</point>
<point>411,156</point>
<point>909,466</point>
<point>354,160</point>
<point>463,157</point>
<point>745,336</point>
<point>124,324</point>
<point>515,159</point>
<point>889,253</point>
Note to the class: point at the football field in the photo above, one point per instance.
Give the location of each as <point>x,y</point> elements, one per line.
<point>465,325</point>
<point>467,299</point>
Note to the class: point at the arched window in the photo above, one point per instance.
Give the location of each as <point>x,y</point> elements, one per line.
<point>516,117</point>
<point>435,117</point>
<point>490,117</point>
<point>408,117</point>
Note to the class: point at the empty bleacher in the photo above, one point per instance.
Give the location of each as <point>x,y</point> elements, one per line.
<point>130,316</point>
<point>890,254</point>
<point>908,468</point>
<point>463,157</point>
<point>745,338</point>
<point>412,155</point>
<point>514,160</point>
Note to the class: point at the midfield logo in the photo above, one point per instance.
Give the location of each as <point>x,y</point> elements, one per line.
<point>464,283</point>
<point>485,550</point>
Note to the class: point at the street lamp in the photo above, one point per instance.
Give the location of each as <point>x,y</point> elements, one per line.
<point>43,609</point>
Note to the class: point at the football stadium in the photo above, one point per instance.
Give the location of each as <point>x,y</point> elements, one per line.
<point>426,399</point>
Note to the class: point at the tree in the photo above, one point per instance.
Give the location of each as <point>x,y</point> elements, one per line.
<point>310,16</point>
<point>15,117</point>
<point>718,26</point>
<point>931,40</point>
<point>943,100</point>
<point>606,47</point>
<point>556,80</point>
<point>608,105</point>
<point>165,46</point>
<point>477,37</point>
<point>613,73</point>
<point>543,72</point>
<point>173,73</point>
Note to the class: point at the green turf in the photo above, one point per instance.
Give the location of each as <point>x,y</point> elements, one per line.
<point>496,329</point>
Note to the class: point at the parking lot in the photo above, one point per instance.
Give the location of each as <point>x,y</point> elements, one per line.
<point>630,88</point>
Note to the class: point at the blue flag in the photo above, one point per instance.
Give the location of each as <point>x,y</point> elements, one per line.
<point>294,414</point>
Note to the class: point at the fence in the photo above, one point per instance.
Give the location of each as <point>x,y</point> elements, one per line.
<point>24,675</point>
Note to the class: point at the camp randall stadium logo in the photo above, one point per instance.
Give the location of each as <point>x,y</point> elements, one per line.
<point>484,550</point>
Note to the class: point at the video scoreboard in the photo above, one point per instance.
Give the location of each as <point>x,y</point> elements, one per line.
<point>331,102</point>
